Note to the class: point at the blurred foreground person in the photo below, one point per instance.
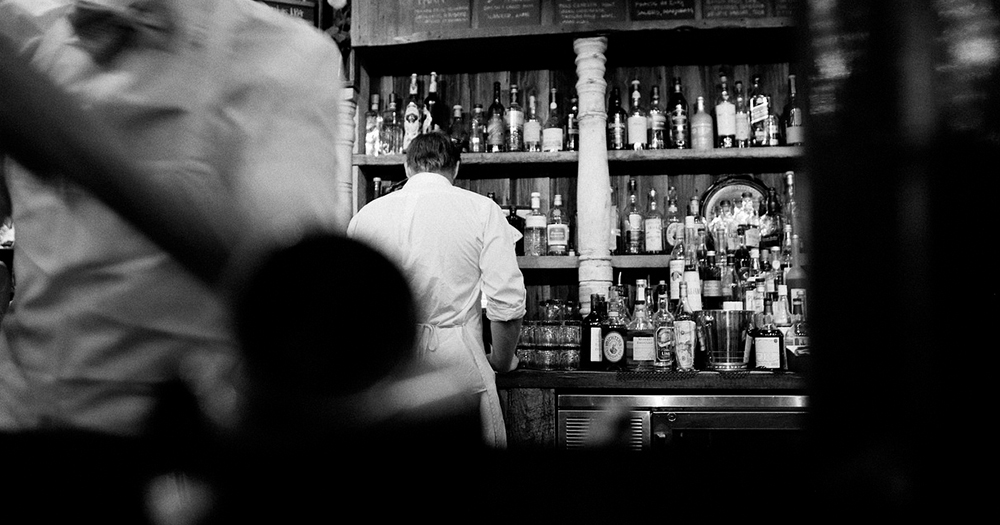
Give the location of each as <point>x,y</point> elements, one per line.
<point>453,245</point>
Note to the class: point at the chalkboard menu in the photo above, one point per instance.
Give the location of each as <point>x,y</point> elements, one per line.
<point>735,8</point>
<point>784,7</point>
<point>440,13</point>
<point>661,9</point>
<point>505,13</point>
<point>569,12</point>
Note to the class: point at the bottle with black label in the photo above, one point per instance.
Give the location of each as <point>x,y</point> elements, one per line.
<point>617,121</point>
<point>592,334</point>
<point>573,126</point>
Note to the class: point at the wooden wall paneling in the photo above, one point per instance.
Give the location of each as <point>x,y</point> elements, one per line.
<point>530,414</point>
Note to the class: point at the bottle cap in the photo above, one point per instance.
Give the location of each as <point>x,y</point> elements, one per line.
<point>782,289</point>
<point>755,253</point>
<point>689,221</point>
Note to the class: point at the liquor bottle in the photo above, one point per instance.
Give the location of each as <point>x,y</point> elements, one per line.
<point>660,290</point>
<point>532,127</point>
<point>743,132</point>
<point>392,128</point>
<point>477,130</point>
<point>663,333</point>
<point>518,222</point>
<point>674,230</point>
<point>433,114</point>
<point>495,124</point>
<point>725,115</point>
<point>797,341</point>
<point>573,126</point>
<point>786,250</point>
<point>557,229</point>
<point>640,345</point>
<point>760,109</point>
<point>591,336</point>
<point>725,263</point>
<point>684,333</point>
<point>552,131</point>
<point>677,112</point>
<point>782,311</point>
<point>694,210</point>
<point>691,277</point>
<point>792,117</point>
<point>634,242</point>
<point>515,122</point>
<point>535,225</point>
<point>796,278</point>
<point>652,226</point>
<point>615,239</point>
<point>790,209</point>
<point>772,130</point>
<point>656,121</point>
<point>376,187</point>
<point>458,130</point>
<point>676,268</point>
<point>771,233</point>
<point>711,283</point>
<point>768,343</point>
<point>613,334</point>
<point>637,122</point>
<point>617,121</point>
<point>412,116</point>
<point>702,128</point>
<point>373,127</point>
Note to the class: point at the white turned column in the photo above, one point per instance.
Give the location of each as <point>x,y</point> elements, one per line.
<point>344,147</point>
<point>593,180</point>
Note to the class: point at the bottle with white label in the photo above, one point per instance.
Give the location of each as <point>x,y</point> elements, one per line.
<point>532,127</point>
<point>535,226</point>
<point>652,226</point>
<point>792,117</point>
<point>552,131</point>
<point>691,277</point>
<point>591,336</point>
<point>663,334</point>
<point>702,128</point>
<point>557,229</point>
<point>684,333</point>
<point>637,124</point>
<point>613,333</point>
<point>634,242</point>
<point>742,130</point>
<point>640,344</point>
<point>515,122</point>
<point>656,121</point>
<point>725,116</point>
<point>768,346</point>
<point>373,127</point>
<point>412,114</point>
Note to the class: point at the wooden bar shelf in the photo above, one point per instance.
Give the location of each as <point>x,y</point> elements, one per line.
<point>581,379</point>
<point>554,262</point>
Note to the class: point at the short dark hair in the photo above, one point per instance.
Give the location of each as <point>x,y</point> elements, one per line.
<point>433,152</point>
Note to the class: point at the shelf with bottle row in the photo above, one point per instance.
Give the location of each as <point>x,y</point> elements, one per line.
<point>555,262</point>
<point>743,155</point>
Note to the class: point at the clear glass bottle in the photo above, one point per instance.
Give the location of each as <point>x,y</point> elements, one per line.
<point>676,268</point>
<point>663,334</point>
<point>684,333</point>
<point>615,239</point>
<point>725,115</point>
<point>760,109</point>
<point>637,122</point>
<point>532,127</point>
<point>552,131</point>
<point>515,122</point>
<point>392,128</point>
<point>557,229</point>
<point>432,111</point>
<point>743,132</point>
<point>613,334</point>
<point>652,226</point>
<point>572,126</point>
<point>782,311</point>
<point>691,277</point>
<point>702,128</point>
<point>412,114</point>
<point>535,226</point>
<point>496,127</point>
<point>373,126</point>
<point>477,130</point>
<point>591,336</point>
<point>796,278</point>
<point>617,121</point>
<point>458,130</point>
<point>633,230</point>
<point>792,117</point>
<point>674,229</point>
<point>656,121</point>
<point>677,113</point>
<point>640,345</point>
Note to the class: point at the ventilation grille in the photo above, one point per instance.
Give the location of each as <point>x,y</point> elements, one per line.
<point>579,429</point>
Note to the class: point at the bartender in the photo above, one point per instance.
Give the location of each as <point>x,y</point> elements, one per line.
<point>452,245</point>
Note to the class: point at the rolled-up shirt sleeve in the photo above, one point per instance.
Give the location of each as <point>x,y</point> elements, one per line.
<point>503,283</point>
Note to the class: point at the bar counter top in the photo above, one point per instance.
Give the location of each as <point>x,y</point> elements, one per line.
<point>561,379</point>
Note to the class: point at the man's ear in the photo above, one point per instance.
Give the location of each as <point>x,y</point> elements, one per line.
<point>458,164</point>
<point>409,170</point>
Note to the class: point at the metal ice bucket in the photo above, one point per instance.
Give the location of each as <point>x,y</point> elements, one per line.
<point>723,337</point>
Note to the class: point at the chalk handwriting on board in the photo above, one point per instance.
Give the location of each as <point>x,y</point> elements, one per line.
<point>501,13</point>
<point>735,8</point>
<point>589,11</point>
<point>450,13</point>
<point>661,9</point>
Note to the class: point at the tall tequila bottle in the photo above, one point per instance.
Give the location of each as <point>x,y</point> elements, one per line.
<point>637,121</point>
<point>663,334</point>
<point>725,115</point>
<point>412,114</point>
<point>495,124</point>
<point>677,117</point>
<point>532,127</point>
<point>684,333</point>
<point>552,131</point>
<point>515,122</point>
<point>656,121</point>
<point>633,226</point>
<point>653,226</point>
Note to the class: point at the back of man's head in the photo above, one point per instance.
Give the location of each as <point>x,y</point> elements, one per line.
<point>433,152</point>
